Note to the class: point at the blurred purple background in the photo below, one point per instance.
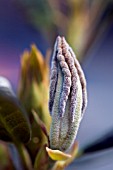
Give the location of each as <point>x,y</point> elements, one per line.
<point>98,119</point>
<point>16,34</point>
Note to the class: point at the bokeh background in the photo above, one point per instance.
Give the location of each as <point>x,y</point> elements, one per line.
<point>88,27</point>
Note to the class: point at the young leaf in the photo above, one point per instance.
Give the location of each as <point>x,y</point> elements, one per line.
<point>57,155</point>
<point>13,121</point>
<point>33,93</point>
<point>63,164</point>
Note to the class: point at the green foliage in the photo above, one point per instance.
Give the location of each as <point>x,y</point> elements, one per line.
<point>33,93</point>
<point>13,122</point>
<point>18,120</point>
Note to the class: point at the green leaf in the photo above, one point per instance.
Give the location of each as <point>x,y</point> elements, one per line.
<point>14,124</point>
<point>41,124</point>
<point>41,160</point>
<point>33,93</point>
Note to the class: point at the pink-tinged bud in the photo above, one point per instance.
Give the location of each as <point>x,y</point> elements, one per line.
<point>68,96</point>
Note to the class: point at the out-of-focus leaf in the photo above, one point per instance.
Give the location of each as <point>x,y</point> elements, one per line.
<point>42,125</point>
<point>15,157</point>
<point>34,94</point>
<point>34,84</point>
<point>39,12</point>
<point>20,157</point>
<point>5,160</point>
<point>41,160</point>
<point>26,157</point>
<point>13,121</point>
<point>57,155</point>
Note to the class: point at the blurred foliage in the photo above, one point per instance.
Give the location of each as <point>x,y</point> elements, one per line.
<point>5,159</point>
<point>81,22</point>
<point>43,10</point>
<point>33,93</point>
<point>13,124</point>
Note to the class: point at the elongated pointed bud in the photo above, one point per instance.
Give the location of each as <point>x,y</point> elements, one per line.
<point>34,83</point>
<point>68,96</point>
<point>34,94</point>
